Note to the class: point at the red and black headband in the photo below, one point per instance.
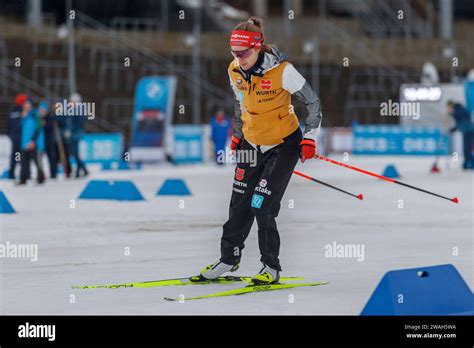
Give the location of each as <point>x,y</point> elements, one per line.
<point>246,38</point>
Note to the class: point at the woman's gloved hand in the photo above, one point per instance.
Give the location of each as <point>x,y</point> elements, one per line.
<point>307,149</point>
<point>235,143</point>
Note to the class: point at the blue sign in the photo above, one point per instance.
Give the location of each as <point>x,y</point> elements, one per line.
<point>99,148</point>
<point>399,140</point>
<point>154,96</point>
<point>187,144</point>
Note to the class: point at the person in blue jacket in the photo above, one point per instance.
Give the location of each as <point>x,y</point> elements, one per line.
<point>77,133</point>
<point>32,143</point>
<point>65,126</point>
<point>14,132</point>
<point>465,126</point>
<point>220,127</point>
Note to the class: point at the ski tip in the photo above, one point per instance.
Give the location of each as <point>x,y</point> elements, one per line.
<point>169,299</point>
<point>360,196</point>
<point>322,282</point>
<point>455,200</point>
<point>84,287</point>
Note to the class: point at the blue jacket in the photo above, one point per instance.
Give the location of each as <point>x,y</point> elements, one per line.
<point>462,118</point>
<point>14,124</point>
<point>220,132</point>
<point>40,141</point>
<point>31,130</point>
<point>49,132</point>
<point>78,127</point>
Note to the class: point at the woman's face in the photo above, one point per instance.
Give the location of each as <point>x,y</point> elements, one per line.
<point>247,56</point>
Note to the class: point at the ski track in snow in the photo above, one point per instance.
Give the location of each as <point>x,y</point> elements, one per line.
<point>86,244</point>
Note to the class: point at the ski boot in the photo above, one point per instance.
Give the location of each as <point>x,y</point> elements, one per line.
<point>267,275</point>
<point>217,269</point>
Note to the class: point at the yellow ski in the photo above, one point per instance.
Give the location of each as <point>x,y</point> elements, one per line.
<point>249,289</point>
<point>195,280</point>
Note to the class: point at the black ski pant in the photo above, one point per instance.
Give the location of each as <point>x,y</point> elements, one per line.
<point>52,154</point>
<point>256,194</point>
<point>75,154</point>
<point>67,155</point>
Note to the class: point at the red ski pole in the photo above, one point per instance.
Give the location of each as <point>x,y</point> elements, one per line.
<point>359,196</point>
<point>455,199</point>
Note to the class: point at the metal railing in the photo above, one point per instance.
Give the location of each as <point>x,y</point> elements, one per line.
<point>368,88</point>
<point>5,63</point>
<point>16,83</point>
<point>379,18</point>
<point>113,70</point>
<point>136,24</point>
<point>57,86</point>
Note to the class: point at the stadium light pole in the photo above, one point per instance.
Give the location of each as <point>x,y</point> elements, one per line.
<point>164,15</point>
<point>71,49</point>
<point>286,22</point>
<point>34,12</point>
<point>446,32</point>
<point>446,19</point>
<point>312,48</point>
<point>322,8</point>
<point>260,8</point>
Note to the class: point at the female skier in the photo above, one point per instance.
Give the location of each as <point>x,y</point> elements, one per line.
<point>263,82</point>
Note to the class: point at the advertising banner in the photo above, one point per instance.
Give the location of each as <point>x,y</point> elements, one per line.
<point>399,140</point>
<point>154,99</point>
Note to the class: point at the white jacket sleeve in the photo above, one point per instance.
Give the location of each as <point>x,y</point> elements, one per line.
<point>297,85</point>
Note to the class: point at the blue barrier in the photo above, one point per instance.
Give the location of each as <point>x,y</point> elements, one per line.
<point>112,190</point>
<point>174,187</point>
<point>5,174</point>
<point>391,172</point>
<point>435,290</point>
<point>5,206</point>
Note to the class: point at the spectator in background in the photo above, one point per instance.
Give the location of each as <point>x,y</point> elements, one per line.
<point>465,126</point>
<point>32,143</point>
<point>77,133</point>
<point>220,126</point>
<point>14,131</point>
<point>48,121</point>
<point>65,126</point>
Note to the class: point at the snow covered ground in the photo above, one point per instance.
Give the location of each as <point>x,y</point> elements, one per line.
<point>88,244</point>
